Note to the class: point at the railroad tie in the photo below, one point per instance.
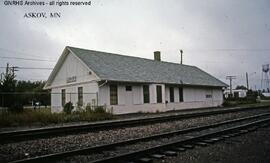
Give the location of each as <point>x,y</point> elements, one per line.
<point>146,159</point>
<point>170,153</point>
<point>158,156</point>
<point>226,136</point>
<point>215,139</point>
<point>180,149</point>
<point>208,141</point>
<point>203,144</point>
<point>187,146</point>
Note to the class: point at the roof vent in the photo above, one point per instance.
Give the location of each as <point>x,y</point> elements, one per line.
<point>157,55</point>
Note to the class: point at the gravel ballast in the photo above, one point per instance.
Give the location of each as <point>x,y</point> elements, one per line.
<point>33,148</point>
<point>252,147</point>
<point>148,144</point>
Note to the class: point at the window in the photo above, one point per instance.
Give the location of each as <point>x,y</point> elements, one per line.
<point>181,99</point>
<point>159,94</point>
<point>208,96</point>
<point>80,96</point>
<point>146,95</point>
<point>113,95</point>
<point>63,94</point>
<point>128,88</point>
<point>171,94</point>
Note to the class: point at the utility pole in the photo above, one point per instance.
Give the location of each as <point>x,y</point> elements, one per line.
<point>247,78</point>
<point>231,78</point>
<point>13,69</point>
<point>247,81</point>
<point>7,68</point>
<point>181,53</point>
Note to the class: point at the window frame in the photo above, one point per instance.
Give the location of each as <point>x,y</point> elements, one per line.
<point>63,97</point>
<point>128,88</point>
<point>146,94</point>
<point>80,96</point>
<point>208,96</point>
<point>181,94</point>
<point>113,94</point>
<point>171,92</point>
<point>159,93</point>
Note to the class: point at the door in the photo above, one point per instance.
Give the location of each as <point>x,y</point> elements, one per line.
<point>159,94</point>
<point>129,95</point>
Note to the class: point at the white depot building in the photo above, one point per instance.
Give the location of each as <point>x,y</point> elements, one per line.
<point>126,84</point>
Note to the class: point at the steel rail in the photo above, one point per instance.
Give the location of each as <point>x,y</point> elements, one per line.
<point>158,149</point>
<point>15,136</point>
<point>57,156</point>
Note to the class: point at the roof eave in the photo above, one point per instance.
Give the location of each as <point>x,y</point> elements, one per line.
<point>89,69</point>
<point>60,61</point>
<point>55,69</point>
<point>155,82</point>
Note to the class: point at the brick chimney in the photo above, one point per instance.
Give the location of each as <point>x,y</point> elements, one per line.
<point>157,56</point>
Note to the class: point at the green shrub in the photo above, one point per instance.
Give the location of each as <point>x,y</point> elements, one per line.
<point>100,109</point>
<point>88,108</point>
<point>229,104</point>
<point>68,107</point>
<point>42,117</point>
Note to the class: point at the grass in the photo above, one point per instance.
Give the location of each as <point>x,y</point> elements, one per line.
<point>245,103</point>
<point>43,117</point>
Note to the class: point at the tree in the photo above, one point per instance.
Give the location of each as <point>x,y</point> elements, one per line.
<point>7,89</point>
<point>15,94</point>
<point>240,87</point>
<point>32,92</point>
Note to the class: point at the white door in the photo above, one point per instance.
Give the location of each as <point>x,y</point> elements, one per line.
<point>129,95</point>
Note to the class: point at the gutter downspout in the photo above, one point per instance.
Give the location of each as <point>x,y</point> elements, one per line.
<point>101,85</point>
<point>106,81</point>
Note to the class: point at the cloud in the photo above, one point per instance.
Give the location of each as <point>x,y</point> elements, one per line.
<point>210,33</point>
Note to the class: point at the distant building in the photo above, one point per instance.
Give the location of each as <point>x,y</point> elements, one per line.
<point>236,93</point>
<point>266,94</point>
<point>127,84</point>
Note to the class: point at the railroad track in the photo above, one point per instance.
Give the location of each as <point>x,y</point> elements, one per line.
<point>160,144</point>
<point>16,136</point>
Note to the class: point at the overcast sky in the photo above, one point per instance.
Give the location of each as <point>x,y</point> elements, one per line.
<point>222,37</point>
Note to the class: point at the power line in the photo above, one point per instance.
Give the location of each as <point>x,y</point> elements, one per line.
<point>17,52</point>
<point>230,49</point>
<point>31,79</point>
<point>32,68</point>
<point>35,68</point>
<point>28,59</point>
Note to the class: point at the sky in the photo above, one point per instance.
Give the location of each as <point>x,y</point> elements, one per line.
<point>222,37</point>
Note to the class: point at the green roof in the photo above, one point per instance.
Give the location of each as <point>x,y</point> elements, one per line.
<point>115,67</point>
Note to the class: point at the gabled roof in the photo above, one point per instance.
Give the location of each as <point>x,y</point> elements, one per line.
<point>115,67</point>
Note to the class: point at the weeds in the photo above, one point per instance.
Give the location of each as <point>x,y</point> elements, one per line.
<point>44,117</point>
